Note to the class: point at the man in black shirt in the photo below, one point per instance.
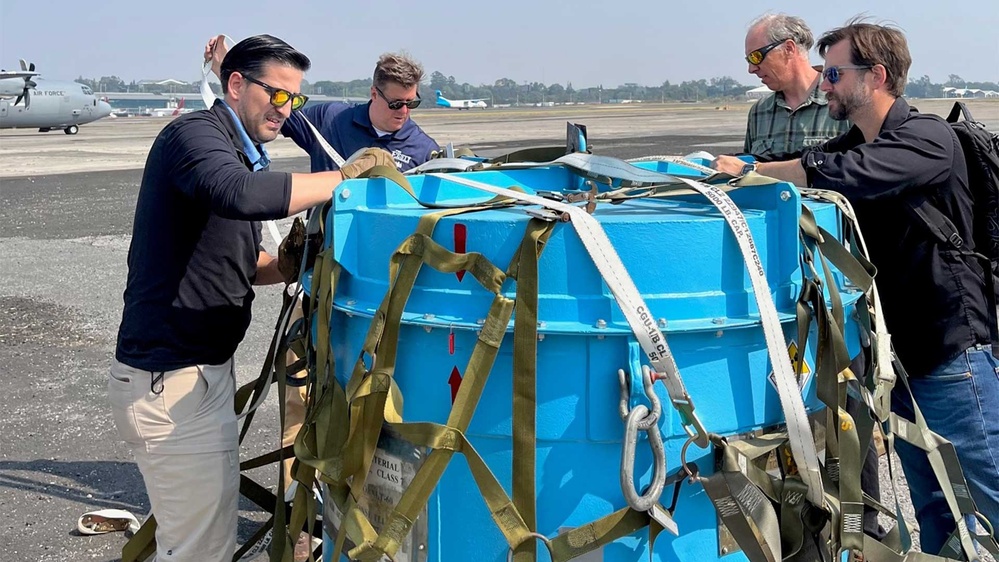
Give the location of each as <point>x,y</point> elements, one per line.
<point>934,299</point>
<point>194,256</point>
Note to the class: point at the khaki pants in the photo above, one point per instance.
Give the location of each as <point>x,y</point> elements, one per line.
<point>181,428</point>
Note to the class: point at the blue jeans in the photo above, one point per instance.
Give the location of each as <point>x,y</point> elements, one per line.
<point>960,401</point>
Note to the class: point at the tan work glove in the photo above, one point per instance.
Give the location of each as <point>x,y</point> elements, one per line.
<point>365,160</point>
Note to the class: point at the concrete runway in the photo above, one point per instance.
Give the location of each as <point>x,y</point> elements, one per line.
<point>66,205</point>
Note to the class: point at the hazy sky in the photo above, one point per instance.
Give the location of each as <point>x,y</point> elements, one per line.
<point>583,41</point>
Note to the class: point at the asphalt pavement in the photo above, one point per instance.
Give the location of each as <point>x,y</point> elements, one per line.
<point>63,245</point>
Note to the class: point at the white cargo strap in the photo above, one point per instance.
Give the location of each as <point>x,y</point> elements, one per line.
<point>651,338</point>
<point>330,151</point>
<point>682,160</point>
<point>444,165</point>
<point>207,95</point>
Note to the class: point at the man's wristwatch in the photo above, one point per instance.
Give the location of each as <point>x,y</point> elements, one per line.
<point>750,167</point>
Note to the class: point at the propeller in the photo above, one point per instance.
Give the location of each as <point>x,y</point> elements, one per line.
<point>28,84</point>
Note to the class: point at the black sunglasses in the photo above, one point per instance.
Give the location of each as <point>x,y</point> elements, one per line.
<point>756,57</point>
<point>395,105</point>
<point>834,73</point>
<point>280,97</point>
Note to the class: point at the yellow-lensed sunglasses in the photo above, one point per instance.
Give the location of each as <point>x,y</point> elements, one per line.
<point>756,57</point>
<point>280,97</point>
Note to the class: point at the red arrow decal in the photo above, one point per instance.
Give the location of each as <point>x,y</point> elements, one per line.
<point>460,237</point>
<point>455,382</point>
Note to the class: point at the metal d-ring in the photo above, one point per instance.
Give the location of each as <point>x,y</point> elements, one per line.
<point>547,542</point>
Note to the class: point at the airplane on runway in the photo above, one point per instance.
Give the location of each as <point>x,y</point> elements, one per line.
<point>173,108</point>
<point>47,104</point>
<point>459,104</point>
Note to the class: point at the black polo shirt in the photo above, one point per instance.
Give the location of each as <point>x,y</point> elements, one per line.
<point>934,299</point>
<point>195,244</point>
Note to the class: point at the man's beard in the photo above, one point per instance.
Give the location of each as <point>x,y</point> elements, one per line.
<point>846,103</point>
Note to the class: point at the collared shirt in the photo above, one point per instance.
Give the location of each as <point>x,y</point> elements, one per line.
<point>256,153</point>
<point>195,244</point>
<point>776,131</point>
<point>348,128</point>
<point>934,298</point>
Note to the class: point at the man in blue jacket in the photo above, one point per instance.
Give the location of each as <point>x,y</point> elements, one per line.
<point>383,122</point>
<point>192,263</point>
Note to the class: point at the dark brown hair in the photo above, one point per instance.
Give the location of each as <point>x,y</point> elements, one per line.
<point>872,44</point>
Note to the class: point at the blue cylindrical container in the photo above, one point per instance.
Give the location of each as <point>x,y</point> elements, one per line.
<point>684,260</point>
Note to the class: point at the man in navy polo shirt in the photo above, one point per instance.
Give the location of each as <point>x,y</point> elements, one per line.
<point>383,122</point>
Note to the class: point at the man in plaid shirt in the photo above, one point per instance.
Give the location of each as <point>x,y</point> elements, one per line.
<point>795,116</point>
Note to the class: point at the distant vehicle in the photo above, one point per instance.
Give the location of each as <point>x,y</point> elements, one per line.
<point>27,101</point>
<point>173,108</point>
<point>460,104</point>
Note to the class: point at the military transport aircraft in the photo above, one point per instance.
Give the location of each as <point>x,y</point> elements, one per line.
<point>28,101</point>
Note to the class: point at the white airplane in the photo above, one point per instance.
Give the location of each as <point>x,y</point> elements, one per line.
<point>46,104</point>
<point>459,104</point>
<point>173,108</point>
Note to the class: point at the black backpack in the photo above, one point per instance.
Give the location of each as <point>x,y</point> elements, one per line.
<point>981,152</point>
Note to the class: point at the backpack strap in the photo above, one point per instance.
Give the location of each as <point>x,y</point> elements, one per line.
<point>960,108</point>
<point>944,231</point>
<point>937,223</point>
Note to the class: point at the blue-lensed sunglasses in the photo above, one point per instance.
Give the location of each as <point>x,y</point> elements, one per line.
<point>834,73</point>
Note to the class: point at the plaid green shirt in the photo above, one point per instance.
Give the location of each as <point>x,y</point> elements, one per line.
<point>775,130</point>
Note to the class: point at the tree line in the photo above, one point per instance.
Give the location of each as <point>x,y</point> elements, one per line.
<point>506,91</point>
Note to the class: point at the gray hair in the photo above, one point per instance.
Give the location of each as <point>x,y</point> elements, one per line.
<point>782,26</point>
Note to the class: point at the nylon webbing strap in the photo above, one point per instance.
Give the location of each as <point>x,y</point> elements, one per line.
<point>832,360</point>
<point>330,454</point>
<point>881,344</point>
<point>651,338</point>
<point>380,343</point>
<point>609,264</point>
<point>745,510</point>
<point>943,461</point>
<point>524,268</point>
<point>426,478</point>
<point>589,537</point>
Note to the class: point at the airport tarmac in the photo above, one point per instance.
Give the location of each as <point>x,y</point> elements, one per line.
<point>66,205</point>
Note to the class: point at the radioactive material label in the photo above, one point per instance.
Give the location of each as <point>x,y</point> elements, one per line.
<point>805,369</point>
<point>392,469</point>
